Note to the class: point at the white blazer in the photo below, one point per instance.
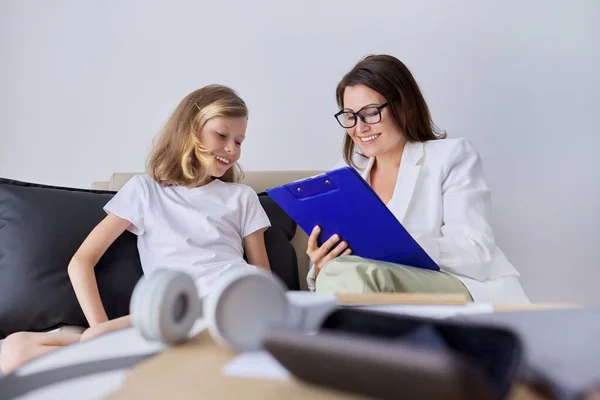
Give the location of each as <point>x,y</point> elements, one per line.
<point>442,199</point>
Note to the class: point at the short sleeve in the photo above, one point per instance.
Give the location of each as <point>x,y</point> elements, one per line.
<point>129,203</point>
<point>254,216</point>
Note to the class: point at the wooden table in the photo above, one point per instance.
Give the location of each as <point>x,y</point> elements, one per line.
<point>193,370</point>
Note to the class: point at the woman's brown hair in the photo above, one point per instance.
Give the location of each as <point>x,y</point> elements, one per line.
<point>178,157</point>
<point>389,77</point>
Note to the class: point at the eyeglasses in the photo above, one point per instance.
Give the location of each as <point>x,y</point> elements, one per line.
<point>369,115</point>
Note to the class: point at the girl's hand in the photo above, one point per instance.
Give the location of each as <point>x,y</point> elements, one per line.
<point>105,327</point>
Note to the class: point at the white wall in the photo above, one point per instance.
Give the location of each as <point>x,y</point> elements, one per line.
<point>85,85</point>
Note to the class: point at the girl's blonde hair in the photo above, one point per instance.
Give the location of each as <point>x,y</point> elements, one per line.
<point>178,157</point>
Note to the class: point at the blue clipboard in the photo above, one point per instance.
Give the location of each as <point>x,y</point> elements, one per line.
<point>341,201</point>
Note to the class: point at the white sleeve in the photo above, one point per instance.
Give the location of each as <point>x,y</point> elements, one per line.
<point>254,216</point>
<point>467,243</point>
<point>311,280</point>
<point>130,203</point>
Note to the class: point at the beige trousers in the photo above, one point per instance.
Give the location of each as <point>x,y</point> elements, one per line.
<point>352,274</point>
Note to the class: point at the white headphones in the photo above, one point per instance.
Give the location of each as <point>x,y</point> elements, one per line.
<point>243,308</point>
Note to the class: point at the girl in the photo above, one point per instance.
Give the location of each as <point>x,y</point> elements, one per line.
<point>189,213</point>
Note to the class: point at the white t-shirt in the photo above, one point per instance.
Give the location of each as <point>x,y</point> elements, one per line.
<point>199,231</point>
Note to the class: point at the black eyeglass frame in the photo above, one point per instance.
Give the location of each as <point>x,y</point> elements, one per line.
<point>356,114</point>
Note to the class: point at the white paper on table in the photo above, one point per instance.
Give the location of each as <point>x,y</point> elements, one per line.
<point>256,364</point>
<point>121,343</point>
<point>90,387</point>
<point>432,311</point>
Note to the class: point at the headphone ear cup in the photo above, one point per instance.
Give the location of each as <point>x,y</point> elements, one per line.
<point>244,307</point>
<point>165,305</point>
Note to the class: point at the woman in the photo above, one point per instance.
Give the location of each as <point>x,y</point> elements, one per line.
<point>434,186</point>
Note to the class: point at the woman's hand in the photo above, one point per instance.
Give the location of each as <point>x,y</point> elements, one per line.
<point>327,252</point>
